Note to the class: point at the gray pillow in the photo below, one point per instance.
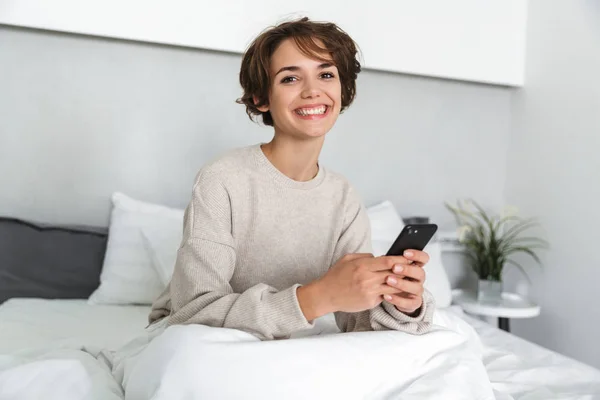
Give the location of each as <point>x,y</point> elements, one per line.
<point>53,262</point>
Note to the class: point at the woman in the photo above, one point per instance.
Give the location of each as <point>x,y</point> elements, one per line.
<point>272,240</point>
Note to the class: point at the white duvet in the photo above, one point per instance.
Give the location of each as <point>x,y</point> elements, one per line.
<point>209,363</point>
<point>51,349</point>
<point>200,362</point>
<point>56,374</point>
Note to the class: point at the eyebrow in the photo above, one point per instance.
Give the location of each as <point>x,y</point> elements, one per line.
<point>295,68</point>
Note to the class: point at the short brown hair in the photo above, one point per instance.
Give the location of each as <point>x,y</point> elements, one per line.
<point>255,69</point>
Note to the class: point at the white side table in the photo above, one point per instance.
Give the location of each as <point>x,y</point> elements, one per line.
<point>512,306</point>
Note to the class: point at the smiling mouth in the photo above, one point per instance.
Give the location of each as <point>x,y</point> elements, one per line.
<point>312,111</point>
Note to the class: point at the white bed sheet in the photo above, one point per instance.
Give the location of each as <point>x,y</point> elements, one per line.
<point>517,368</point>
<point>41,323</point>
<point>527,371</point>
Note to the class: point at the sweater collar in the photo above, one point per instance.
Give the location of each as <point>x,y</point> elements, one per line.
<point>267,167</point>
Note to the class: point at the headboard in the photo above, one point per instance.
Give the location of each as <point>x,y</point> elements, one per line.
<point>45,261</point>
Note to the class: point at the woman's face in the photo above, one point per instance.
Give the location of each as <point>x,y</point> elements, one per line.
<point>305,97</point>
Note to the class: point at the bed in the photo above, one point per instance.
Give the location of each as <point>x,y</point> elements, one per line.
<point>61,348</point>
<point>517,368</point>
<point>525,370</point>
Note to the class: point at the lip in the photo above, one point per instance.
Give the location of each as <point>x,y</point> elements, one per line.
<point>314,116</point>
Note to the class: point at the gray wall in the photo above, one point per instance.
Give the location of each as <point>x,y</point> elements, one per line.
<point>82,117</point>
<point>554,171</point>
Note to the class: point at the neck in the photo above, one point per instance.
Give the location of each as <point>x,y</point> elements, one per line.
<point>297,159</point>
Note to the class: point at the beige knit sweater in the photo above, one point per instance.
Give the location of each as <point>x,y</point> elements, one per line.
<point>252,236</point>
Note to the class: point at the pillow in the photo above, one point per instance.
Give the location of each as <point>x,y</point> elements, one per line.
<point>386,225</point>
<point>128,275</point>
<point>50,262</point>
<point>436,280</point>
<point>162,245</point>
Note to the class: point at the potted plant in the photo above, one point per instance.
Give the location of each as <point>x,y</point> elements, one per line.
<point>490,241</point>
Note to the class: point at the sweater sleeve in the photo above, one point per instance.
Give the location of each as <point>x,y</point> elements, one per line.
<point>200,290</point>
<point>356,238</point>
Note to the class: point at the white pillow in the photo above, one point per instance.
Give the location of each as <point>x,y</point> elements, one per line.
<point>162,245</point>
<point>128,276</point>
<point>436,279</point>
<point>386,225</point>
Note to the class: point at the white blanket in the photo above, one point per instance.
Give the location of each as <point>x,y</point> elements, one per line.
<point>68,334</point>
<point>200,362</point>
<point>56,374</point>
<point>50,349</point>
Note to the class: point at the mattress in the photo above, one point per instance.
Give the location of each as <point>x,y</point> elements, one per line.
<point>516,367</point>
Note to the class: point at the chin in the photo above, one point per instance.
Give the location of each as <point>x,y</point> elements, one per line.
<point>314,131</point>
<point>313,134</point>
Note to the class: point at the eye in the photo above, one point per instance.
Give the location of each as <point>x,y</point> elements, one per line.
<point>289,79</point>
<point>327,75</point>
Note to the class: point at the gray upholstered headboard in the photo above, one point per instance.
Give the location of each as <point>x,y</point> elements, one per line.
<point>54,262</point>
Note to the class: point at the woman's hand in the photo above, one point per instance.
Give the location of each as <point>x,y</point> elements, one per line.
<point>357,282</point>
<point>408,278</point>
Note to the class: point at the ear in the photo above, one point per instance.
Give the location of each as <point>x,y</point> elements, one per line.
<point>264,108</point>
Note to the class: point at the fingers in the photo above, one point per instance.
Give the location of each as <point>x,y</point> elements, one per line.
<point>387,289</point>
<point>405,286</point>
<point>385,263</point>
<point>404,304</point>
<point>416,256</point>
<point>412,257</point>
<point>412,272</point>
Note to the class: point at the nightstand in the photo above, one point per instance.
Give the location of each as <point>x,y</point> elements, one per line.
<point>511,306</point>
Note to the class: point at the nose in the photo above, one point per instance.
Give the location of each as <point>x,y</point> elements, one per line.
<point>311,90</point>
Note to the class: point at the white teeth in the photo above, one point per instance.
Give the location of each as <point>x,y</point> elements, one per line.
<point>311,111</point>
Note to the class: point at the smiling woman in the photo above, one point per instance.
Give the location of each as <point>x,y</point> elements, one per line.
<point>272,240</point>
<point>297,76</point>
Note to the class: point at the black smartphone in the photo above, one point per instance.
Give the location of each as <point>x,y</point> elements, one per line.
<point>413,236</point>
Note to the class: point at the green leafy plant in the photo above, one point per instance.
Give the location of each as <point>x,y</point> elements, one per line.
<point>491,240</point>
